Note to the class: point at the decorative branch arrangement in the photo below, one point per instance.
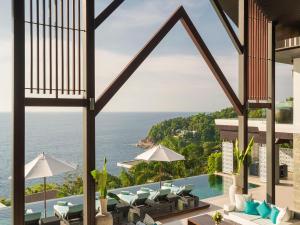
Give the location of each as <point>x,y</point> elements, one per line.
<point>241,155</point>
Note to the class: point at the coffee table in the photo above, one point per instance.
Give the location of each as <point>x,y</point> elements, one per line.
<point>207,220</point>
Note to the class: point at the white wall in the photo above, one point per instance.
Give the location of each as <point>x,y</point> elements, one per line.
<point>296,92</point>
<point>227,159</point>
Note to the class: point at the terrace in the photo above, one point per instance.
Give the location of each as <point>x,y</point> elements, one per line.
<point>267,33</point>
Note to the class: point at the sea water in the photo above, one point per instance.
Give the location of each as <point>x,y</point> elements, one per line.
<point>60,135</point>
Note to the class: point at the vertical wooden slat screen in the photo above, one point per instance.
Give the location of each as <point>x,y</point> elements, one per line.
<point>50,46</point>
<point>54,55</point>
<point>258,59</point>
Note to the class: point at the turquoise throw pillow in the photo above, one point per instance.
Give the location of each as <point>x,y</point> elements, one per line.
<point>274,215</point>
<point>250,208</point>
<point>264,210</point>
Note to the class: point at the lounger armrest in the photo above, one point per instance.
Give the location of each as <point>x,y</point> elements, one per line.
<point>151,202</point>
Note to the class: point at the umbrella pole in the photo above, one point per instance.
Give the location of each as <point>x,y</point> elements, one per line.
<point>45,197</point>
<point>160,174</point>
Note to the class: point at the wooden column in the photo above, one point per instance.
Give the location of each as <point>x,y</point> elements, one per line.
<point>243,87</point>
<point>88,111</point>
<point>18,116</point>
<point>270,134</point>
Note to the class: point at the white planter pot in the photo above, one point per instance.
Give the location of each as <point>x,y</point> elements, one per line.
<point>103,206</point>
<point>235,188</point>
<point>103,217</point>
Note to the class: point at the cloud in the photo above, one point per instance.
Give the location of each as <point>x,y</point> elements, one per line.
<point>174,78</point>
<point>6,75</point>
<point>164,83</point>
<point>146,13</point>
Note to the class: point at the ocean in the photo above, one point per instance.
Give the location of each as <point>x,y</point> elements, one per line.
<point>60,135</point>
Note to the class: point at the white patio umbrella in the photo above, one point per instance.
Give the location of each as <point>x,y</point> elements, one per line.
<point>45,166</point>
<point>160,153</point>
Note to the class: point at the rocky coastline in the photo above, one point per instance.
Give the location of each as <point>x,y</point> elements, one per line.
<point>145,143</point>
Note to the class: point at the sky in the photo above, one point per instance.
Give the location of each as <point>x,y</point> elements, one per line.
<point>173,78</point>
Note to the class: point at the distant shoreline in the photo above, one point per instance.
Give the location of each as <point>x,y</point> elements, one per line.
<point>145,143</point>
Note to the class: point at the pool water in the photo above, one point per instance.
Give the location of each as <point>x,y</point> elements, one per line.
<point>205,186</point>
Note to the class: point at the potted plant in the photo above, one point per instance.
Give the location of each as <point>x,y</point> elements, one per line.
<point>100,177</point>
<point>217,218</point>
<point>239,157</point>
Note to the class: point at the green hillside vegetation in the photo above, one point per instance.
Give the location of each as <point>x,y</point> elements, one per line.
<point>196,137</point>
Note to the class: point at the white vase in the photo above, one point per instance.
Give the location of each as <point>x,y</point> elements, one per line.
<point>103,206</point>
<point>235,188</point>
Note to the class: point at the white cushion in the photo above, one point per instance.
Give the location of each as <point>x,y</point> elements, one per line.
<point>148,220</point>
<point>229,207</point>
<point>140,223</point>
<point>284,215</point>
<point>262,221</point>
<point>245,219</point>
<point>244,216</point>
<point>240,201</point>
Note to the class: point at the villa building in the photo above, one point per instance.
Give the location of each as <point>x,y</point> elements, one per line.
<point>287,51</point>
<point>267,32</point>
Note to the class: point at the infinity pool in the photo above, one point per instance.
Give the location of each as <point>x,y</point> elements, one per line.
<point>205,186</point>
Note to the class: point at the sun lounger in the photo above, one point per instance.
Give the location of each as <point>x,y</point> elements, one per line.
<point>184,192</point>
<point>32,218</point>
<point>159,202</point>
<point>68,212</point>
<point>181,191</point>
<point>134,199</point>
<point>137,202</point>
<point>159,195</point>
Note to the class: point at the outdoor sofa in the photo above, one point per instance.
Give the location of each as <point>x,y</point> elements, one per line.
<point>246,219</point>
<point>68,212</point>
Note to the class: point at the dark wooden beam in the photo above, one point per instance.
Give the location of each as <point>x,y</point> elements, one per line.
<point>136,62</point>
<point>55,102</point>
<point>243,87</point>
<point>107,12</point>
<point>231,33</point>
<point>258,105</point>
<point>18,115</point>
<point>180,14</point>
<point>211,62</point>
<point>270,132</point>
<point>230,132</point>
<point>89,148</point>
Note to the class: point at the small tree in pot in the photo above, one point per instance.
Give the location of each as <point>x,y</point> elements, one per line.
<point>239,156</point>
<point>100,177</point>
